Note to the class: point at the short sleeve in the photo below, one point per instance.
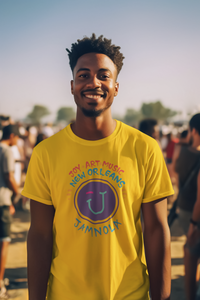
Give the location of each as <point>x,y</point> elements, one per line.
<point>8,161</point>
<point>36,185</point>
<point>157,182</point>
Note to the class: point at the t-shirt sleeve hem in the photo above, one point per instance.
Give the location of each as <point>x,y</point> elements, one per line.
<point>159,196</point>
<point>33,197</point>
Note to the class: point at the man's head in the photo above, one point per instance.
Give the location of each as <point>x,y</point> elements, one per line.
<point>194,126</point>
<point>95,64</point>
<point>11,134</point>
<point>149,127</point>
<point>95,45</point>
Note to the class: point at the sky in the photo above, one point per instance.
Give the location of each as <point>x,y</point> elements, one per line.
<point>159,39</point>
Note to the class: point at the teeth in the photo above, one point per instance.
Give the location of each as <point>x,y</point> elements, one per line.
<point>93,96</point>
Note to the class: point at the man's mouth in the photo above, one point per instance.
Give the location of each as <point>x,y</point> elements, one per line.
<point>94,94</point>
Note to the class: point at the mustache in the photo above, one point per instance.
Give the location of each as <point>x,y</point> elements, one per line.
<point>94,91</point>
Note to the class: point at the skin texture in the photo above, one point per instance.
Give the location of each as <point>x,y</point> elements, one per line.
<point>95,74</point>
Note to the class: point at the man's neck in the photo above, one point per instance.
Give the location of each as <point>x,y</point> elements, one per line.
<point>90,128</point>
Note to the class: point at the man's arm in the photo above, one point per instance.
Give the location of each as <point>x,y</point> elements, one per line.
<point>157,248</point>
<point>39,247</point>
<point>11,183</point>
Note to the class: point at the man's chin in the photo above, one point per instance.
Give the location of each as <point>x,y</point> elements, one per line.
<point>92,113</point>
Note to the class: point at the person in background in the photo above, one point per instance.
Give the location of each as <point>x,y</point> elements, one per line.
<point>183,138</point>
<point>170,148</point>
<point>187,161</point>
<point>8,191</point>
<point>150,127</point>
<point>29,143</point>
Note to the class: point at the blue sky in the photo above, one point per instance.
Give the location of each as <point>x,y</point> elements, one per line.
<point>159,39</point>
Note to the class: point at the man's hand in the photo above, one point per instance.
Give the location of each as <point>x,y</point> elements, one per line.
<point>12,210</point>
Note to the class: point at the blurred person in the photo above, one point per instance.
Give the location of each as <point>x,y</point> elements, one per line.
<point>169,151</point>
<point>187,163</point>
<point>183,139</point>
<point>47,130</point>
<point>29,143</point>
<point>170,147</point>
<point>87,184</point>
<point>8,190</point>
<point>40,137</point>
<point>149,127</point>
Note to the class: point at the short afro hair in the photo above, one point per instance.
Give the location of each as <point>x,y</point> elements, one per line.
<point>147,126</point>
<point>96,45</point>
<point>195,123</point>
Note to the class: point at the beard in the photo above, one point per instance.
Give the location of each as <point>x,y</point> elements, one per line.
<point>92,113</point>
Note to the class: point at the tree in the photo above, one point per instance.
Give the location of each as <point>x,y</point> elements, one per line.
<point>37,113</point>
<point>66,114</point>
<point>132,116</point>
<point>156,110</point>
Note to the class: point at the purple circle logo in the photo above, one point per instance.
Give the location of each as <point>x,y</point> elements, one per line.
<point>96,201</point>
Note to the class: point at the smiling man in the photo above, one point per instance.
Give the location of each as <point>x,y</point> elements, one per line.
<point>87,184</point>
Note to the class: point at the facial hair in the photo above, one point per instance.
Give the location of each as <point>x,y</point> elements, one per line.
<point>92,113</point>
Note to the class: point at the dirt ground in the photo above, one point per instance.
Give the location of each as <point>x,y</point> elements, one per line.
<point>16,270</point>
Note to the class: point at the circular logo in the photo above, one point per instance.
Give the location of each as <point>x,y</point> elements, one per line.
<point>96,201</point>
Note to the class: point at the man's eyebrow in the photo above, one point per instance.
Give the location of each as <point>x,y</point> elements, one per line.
<point>86,69</point>
<point>83,69</point>
<point>104,69</point>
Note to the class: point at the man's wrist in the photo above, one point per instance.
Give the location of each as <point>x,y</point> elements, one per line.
<point>195,223</point>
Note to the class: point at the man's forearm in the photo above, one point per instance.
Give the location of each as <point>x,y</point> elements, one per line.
<point>39,262</point>
<point>158,256</point>
<point>11,183</point>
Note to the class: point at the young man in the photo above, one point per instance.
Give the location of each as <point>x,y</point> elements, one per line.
<point>8,190</point>
<point>187,161</point>
<point>88,183</point>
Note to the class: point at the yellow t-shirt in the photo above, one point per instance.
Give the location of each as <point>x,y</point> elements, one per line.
<point>97,188</point>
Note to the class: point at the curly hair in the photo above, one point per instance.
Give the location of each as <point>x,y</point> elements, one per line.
<point>97,45</point>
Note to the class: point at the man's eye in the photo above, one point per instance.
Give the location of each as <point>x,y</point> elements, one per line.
<point>104,76</point>
<point>83,76</point>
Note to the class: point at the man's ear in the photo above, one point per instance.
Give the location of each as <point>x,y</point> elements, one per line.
<point>72,87</point>
<point>116,88</point>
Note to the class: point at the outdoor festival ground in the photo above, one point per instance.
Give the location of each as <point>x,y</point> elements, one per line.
<point>16,263</point>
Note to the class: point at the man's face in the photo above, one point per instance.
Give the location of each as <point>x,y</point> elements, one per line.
<point>190,137</point>
<point>94,85</point>
<point>13,139</point>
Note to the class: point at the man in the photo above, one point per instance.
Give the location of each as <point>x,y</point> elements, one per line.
<point>187,161</point>
<point>150,127</point>
<point>8,190</point>
<point>88,183</point>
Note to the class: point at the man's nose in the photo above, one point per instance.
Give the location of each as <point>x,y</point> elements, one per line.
<point>94,82</point>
